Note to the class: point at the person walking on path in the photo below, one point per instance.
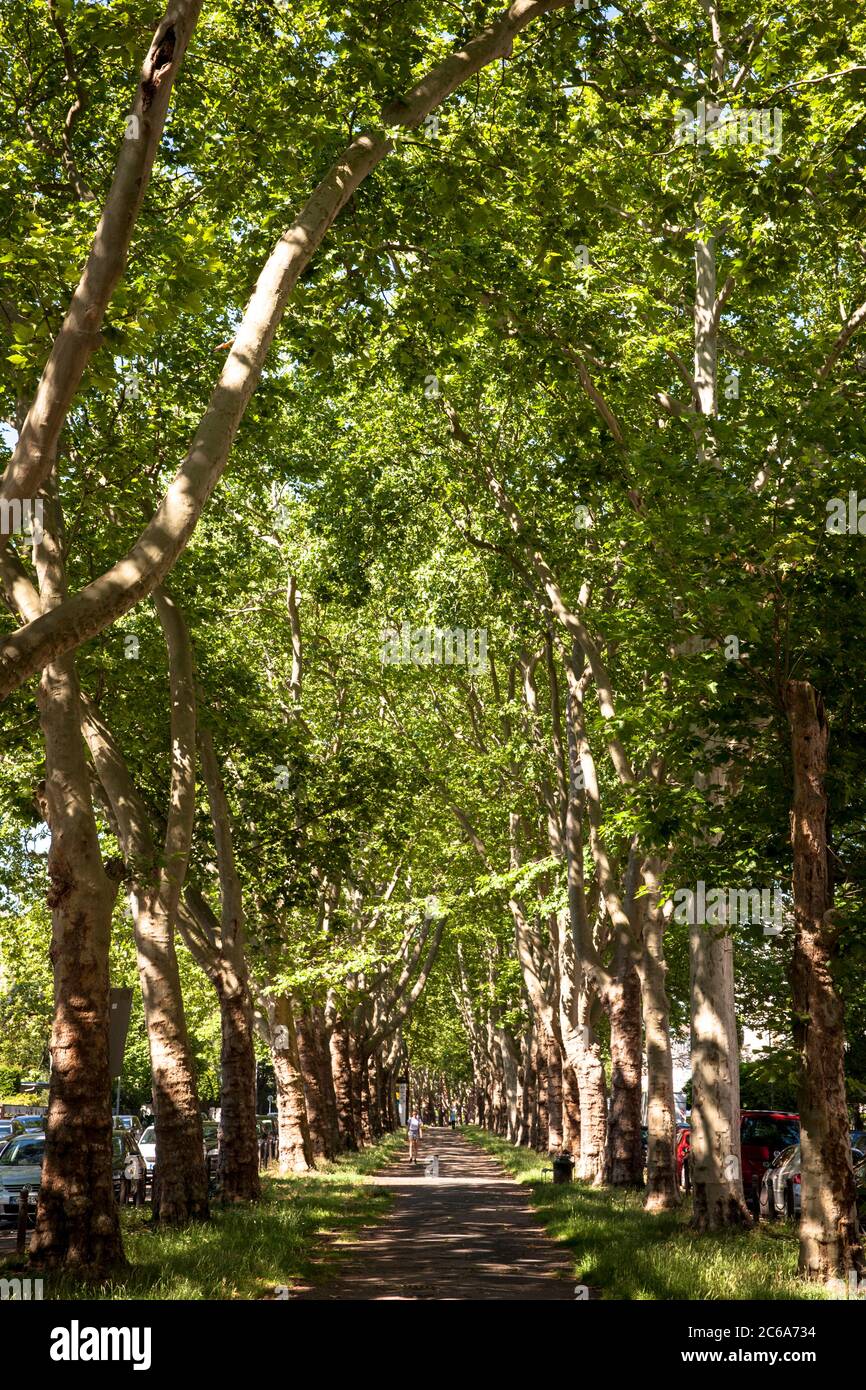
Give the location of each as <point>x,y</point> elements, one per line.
<point>453,1117</point>
<point>414,1128</point>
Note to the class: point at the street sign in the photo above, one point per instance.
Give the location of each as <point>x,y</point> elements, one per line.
<point>119,1009</point>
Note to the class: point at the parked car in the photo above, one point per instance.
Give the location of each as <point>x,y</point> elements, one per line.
<point>32,1123</point>
<point>20,1167</point>
<point>682,1154</point>
<point>127,1161</point>
<point>147,1148</point>
<point>210,1130</point>
<point>780,1189</point>
<point>8,1130</point>
<point>130,1122</point>
<point>764,1134</point>
<point>860,1181</point>
<point>780,1185</point>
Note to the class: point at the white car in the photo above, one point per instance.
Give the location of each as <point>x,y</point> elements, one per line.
<point>780,1188</point>
<point>147,1144</point>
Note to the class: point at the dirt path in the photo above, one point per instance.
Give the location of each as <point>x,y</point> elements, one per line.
<point>468,1234</point>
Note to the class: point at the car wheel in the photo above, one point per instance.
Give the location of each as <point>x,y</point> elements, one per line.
<point>772,1209</point>
<point>790,1209</point>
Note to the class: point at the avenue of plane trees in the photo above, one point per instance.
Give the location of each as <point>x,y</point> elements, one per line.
<point>433,558</point>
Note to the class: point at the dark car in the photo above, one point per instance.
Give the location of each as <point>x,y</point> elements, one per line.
<point>32,1123</point>
<point>130,1122</point>
<point>8,1130</point>
<point>860,1181</point>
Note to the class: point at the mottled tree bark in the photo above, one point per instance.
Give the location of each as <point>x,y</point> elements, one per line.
<point>180,1188</point>
<point>312,1086</point>
<point>829,1235</point>
<point>238,1154</point>
<point>554,1094</point>
<point>295,1150</point>
<point>593,1107</point>
<point>715,1162</point>
<point>342,1074</point>
<point>77,1224</point>
<point>623,1161</point>
<point>571,1112</point>
<point>662,1191</point>
<point>319,1034</point>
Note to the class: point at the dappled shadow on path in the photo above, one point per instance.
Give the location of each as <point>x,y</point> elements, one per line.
<point>468,1234</point>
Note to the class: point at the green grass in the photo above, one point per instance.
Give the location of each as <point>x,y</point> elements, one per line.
<point>622,1252</point>
<point>292,1236</point>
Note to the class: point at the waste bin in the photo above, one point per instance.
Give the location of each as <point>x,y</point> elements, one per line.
<point>563,1166</point>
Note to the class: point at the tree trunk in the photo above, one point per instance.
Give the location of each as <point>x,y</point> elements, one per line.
<point>571,1111</point>
<point>295,1150</point>
<point>312,1087</point>
<point>239,1150</point>
<point>829,1235</point>
<point>554,1094</point>
<point>180,1180</point>
<point>360,1089</point>
<point>342,1073</point>
<point>319,1033</point>
<point>180,1187</point>
<point>623,1163</point>
<point>77,1223</point>
<point>662,1191</point>
<point>715,1161</point>
<point>593,1109</point>
<point>543,1134</point>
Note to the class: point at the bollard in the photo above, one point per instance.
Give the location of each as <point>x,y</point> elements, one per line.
<point>21,1239</point>
<point>563,1165</point>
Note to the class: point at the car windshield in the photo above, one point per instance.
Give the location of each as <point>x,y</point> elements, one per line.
<point>760,1129</point>
<point>24,1149</point>
<point>149,1136</point>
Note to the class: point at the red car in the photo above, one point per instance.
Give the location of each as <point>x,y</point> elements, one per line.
<point>763,1135</point>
